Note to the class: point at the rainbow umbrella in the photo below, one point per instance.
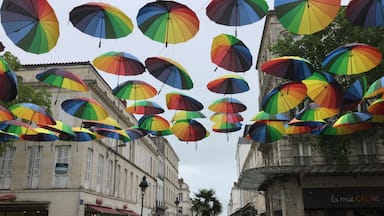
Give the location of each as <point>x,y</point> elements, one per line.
<point>32,112</point>
<point>5,114</point>
<point>59,127</point>
<point>354,94</point>
<point>377,107</point>
<point>314,112</point>
<point>306,16</point>
<point>153,123</point>
<point>226,117</point>
<point>166,132</point>
<point>228,84</point>
<point>42,135</point>
<point>230,53</point>
<point>352,58</point>
<point>352,118</point>
<point>310,123</point>
<point>236,12</point>
<point>135,132</point>
<point>101,20</point>
<point>184,115</point>
<point>169,72</point>
<point>113,134</point>
<point>84,108</point>
<point>189,130</point>
<point>376,88</point>
<point>145,107</point>
<point>81,135</point>
<point>31,24</point>
<point>167,22</point>
<point>7,137</point>
<point>264,116</point>
<point>345,129</point>
<point>180,101</point>
<point>367,13</point>
<point>284,97</point>
<point>288,67</point>
<point>377,119</point>
<point>324,90</point>
<point>134,90</point>
<point>4,67</point>
<point>297,129</point>
<point>16,127</point>
<point>227,105</point>
<point>267,131</point>
<point>8,86</point>
<point>223,127</point>
<point>108,123</point>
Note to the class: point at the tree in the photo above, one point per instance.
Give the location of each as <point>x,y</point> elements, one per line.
<point>205,203</point>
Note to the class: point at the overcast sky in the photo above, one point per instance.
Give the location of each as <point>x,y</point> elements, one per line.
<point>209,163</point>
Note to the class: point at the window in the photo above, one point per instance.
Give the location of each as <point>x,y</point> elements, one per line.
<point>368,152</point>
<point>302,153</point>
<point>61,176</point>
<point>88,169</point>
<point>100,170</point>
<point>117,180</point>
<point>125,183</point>
<point>6,166</point>
<point>180,197</point>
<point>109,177</point>
<point>34,164</point>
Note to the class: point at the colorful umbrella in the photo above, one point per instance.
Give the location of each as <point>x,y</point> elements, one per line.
<point>179,101</point>
<point>8,86</point>
<point>4,67</point>
<point>310,123</point>
<point>284,97</point>
<point>84,108</point>
<point>134,90</point>
<point>345,129</point>
<point>184,115</point>
<point>267,131</point>
<point>314,112</point>
<point>306,16</point>
<point>228,84</point>
<point>135,132</point>
<point>113,134</point>
<point>354,94</point>
<point>81,135</point>
<point>288,67</point>
<point>264,116</point>
<point>189,130</point>
<point>230,53</point>
<point>167,22</point>
<point>153,123</point>
<point>32,112</point>
<point>160,133</point>
<point>297,129</point>
<point>59,127</point>
<point>6,137</point>
<point>42,135</point>
<point>352,58</point>
<point>31,24</point>
<point>101,20</point>
<point>16,127</point>
<point>226,117</point>
<point>145,107</point>
<point>169,72</point>
<point>108,123</point>
<point>223,127</point>
<point>377,87</point>
<point>352,118</point>
<point>324,90</point>
<point>377,107</point>
<point>367,13</point>
<point>5,114</point>
<point>227,105</point>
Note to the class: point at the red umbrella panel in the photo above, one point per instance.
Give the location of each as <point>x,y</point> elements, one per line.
<point>228,84</point>
<point>377,107</point>
<point>189,130</point>
<point>179,101</point>
<point>227,105</point>
<point>5,114</point>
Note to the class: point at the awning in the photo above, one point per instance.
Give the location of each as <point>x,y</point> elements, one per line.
<point>103,210</point>
<point>127,212</point>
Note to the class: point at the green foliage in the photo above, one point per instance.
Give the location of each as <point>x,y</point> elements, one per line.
<point>12,60</point>
<point>205,203</point>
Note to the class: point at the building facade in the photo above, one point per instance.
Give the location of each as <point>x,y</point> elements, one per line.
<point>99,177</point>
<point>185,203</point>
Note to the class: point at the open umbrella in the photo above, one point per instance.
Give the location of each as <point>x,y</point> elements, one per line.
<point>31,24</point>
<point>377,107</point>
<point>297,129</point>
<point>376,88</point>
<point>314,112</point>
<point>352,118</point>
<point>352,58</point>
<point>230,53</point>
<point>134,90</point>
<point>8,86</point>
<point>264,116</point>
<point>145,107</point>
<point>113,134</point>
<point>310,123</point>
<point>344,129</point>
<point>160,133</point>
<point>8,137</point>
<point>5,114</point>
<point>4,67</point>
<point>101,20</point>
<point>306,16</point>
<point>354,94</point>
<point>293,68</point>
<point>236,12</point>
<point>222,127</point>
<point>167,22</point>
<point>324,90</point>
<point>367,13</point>
<point>228,84</point>
<point>135,132</point>
<point>153,123</point>
<point>42,135</point>
<point>184,115</point>
<point>32,112</point>
<point>227,105</point>
<point>267,131</point>
<point>180,101</point>
<point>84,108</point>
<point>226,117</point>
<point>108,123</point>
<point>59,127</point>
<point>189,130</point>
<point>81,135</point>
<point>16,127</point>
<point>284,97</point>
<point>169,72</point>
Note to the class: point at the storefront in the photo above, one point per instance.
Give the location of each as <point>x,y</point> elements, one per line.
<point>360,201</point>
<point>24,208</point>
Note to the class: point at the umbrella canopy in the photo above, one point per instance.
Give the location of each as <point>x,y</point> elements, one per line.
<point>6,137</point>
<point>226,117</point>
<point>108,123</point>
<point>119,63</point>
<point>32,112</point>
<point>284,97</point>
<point>352,58</point>
<point>16,127</point>
<point>5,114</point>
<point>169,72</point>
<point>376,88</point>
<point>145,107</point>
<point>62,78</point>
<point>113,134</point>
<point>314,112</point>
<point>227,105</point>
<point>8,86</point>
<point>153,123</point>
<point>134,90</point>
<point>59,127</point>
<point>160,133</point>
<point>84,108</point>
<point>223,127</point>
<point>31,24</point>
<point>167,22</point>
<point>344,129</point>
<point>297,129</point>
<point>230,53</point>
<point>267,131</point>
<point>310,123</point>
<point>42,135</point>
<point>189,130</point>
<point>306,16</point>
<point>4,67</point>
<point>81,135</point>
<point>184,115</point>
<point>180,101</point>
<point>377,107</point>
<point>228,84</point>
<point>264,116</point>
<point>288,67</point>
<point>366,13</point>
<point>101,20</point>
<point>135,132</point>
<point>354,94</point>
<point>324,90</point>
<point>352,118</point>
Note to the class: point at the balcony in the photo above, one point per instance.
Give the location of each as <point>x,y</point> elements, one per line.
<point>302,160</point>
<point>367,159</point>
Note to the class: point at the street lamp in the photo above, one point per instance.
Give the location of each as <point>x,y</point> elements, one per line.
<point>143,185</point>
<point>177,202</point>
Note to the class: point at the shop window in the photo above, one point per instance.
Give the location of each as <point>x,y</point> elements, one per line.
<point>34,164</point>
<point>6,167</point>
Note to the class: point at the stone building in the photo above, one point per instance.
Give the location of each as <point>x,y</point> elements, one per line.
<point>185,203</point>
